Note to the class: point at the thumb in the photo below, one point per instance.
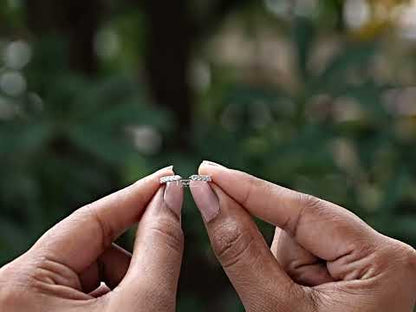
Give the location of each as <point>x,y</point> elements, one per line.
<point>242,251</point>
<point>151,281</point>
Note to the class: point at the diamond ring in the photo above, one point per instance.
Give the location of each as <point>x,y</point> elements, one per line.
<point>197,177</point>
<point>171,178</point>
<point>185,182</point>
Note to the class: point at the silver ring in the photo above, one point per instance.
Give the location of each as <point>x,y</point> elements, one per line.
<point>171,178</point>
<point>197,177</point>
<point>185,182</point>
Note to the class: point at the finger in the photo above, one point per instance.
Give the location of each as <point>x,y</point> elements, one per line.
<point>325,229</point>
<point>152,279</point>
<point>110,268</point>
<point>242,251</point>
<point>91,229</point>
<point>302,266</point>
<point>101,290</point>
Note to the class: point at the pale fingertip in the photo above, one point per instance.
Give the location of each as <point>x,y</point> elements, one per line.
<point>211,170</point>
<point>166,169</point>
<point>211,163</point>
<point>155,176</point>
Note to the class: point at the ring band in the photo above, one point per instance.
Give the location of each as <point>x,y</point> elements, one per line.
<point>197,177</point>
<point>167,179</point>
<point>185,182</point>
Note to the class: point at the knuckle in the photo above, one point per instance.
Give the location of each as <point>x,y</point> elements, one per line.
<point>309,205</point>
<point>406,256</point>
<point>169,233</point>
<point>411,260</point>
<point>411,256</point>
<point>388,255</point>
<point>255,184</point>
<point>50,271</point>
<point>309,201</point>
<point>305,202</point>
<point>90,212</point>
<point>231,242</point>
<point>289,297</point>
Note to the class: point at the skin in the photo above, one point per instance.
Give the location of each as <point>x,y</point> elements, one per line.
<point>323,257</point>
<point>63,270</point>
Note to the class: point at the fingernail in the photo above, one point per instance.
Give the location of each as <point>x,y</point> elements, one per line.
<point>173,197</point>
<point>167,168</point>
<point>211,163</point>
<point>205,199</point>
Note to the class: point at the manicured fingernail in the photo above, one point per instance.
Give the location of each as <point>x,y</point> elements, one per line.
<point>211,163</point>
<point>173,197</point>
<point>205,199</point>
<point>167,168</point>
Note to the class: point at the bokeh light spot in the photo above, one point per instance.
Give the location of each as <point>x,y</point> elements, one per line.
<point>12,83</point>
<point>17,54</point>
<point>107,44</point>
<point>146,139</point>
<point>356,13</point>
<point>200,76</point>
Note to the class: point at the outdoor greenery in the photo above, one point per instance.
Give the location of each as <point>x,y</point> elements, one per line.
<point>95,94</point>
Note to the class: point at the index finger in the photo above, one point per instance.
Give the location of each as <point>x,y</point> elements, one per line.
<point>80,238</point>
<point>323,228</point>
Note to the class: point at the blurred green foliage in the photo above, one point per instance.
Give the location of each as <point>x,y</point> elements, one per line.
<point>72,137</point>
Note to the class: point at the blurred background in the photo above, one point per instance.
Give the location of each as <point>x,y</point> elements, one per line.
<point>316,95</point>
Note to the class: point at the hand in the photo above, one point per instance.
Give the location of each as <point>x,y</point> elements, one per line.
<point>323,257</point>
<point>63,270</point>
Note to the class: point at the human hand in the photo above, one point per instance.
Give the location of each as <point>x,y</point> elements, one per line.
<point>323,257</point>
<point>63,270</point>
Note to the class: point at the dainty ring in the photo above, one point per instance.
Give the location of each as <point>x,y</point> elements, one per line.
<point>197,177</point>
<point>166,179</point>
<point>185,182</point>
